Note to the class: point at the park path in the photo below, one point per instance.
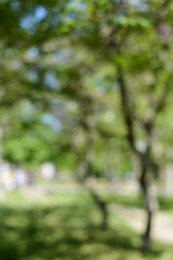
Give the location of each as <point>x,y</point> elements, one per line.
<point>162,225</point>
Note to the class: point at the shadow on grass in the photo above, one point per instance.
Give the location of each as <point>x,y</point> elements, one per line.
<point>61,233</point>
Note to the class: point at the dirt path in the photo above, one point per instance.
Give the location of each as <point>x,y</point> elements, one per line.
<point>135,218</point>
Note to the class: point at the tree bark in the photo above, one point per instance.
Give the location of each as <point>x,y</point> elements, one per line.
<point>150,205</point>
<point>149,216</point>
<point>102,207</point>
<point>85,173</point>
<point>143,157</point>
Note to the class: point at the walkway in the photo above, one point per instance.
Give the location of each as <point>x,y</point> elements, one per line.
<point>135,218</point>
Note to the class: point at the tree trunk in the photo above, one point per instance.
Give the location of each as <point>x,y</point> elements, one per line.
<point>102,207</point>
<point>150,206</point>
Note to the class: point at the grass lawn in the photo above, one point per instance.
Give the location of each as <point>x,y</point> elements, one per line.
<point>65,226</point>
<point>165,203</point>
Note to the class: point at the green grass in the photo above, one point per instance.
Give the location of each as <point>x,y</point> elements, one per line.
<point>125,200</point>
<point>165,203</point>
<point>65,226</point>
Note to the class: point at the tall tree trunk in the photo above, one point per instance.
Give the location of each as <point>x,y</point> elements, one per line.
<point>143,157</point>
<point>150,205</point>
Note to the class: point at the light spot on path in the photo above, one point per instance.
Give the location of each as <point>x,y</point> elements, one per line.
<point>135,218</point>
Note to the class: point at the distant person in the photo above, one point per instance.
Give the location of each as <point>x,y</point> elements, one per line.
<point>20,178</point>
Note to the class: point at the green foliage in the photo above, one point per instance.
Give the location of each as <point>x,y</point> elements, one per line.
<point>62,57</point>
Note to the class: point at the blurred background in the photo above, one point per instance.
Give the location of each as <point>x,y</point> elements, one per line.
<point>86,156</point>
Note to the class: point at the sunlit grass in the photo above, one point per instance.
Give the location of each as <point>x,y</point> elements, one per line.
<point>165,203</point>
<point>66,226</point>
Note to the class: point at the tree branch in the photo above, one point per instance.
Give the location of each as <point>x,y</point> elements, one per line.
<point>126,109</point>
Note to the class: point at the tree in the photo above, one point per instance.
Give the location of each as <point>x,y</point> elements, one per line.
<point>79,47</point>
<point>135,39</point>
